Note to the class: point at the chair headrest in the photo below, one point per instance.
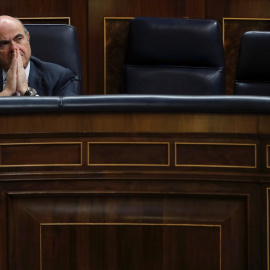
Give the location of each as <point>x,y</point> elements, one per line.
<point>187,42</point>
<point>56,43</point>
<point>254,56</point>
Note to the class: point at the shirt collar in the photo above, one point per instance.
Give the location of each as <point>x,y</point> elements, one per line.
<point>27,71</point>
<point>4,75</point>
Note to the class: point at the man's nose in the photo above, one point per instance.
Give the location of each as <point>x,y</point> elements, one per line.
<point>13,45</point>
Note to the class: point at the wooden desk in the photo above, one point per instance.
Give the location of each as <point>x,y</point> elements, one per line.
<point>134,191</point>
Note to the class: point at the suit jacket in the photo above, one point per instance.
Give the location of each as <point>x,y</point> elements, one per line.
<point>50,79</point>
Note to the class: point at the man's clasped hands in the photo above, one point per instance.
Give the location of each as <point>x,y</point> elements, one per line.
<point>16,83</point>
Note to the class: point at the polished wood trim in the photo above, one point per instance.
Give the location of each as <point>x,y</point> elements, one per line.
<point>129,143</point>
<point>105,46</point>
<point>41,143</point>
<point>132,122</point>
<point>224,19</point>
<point>57,184</point>
<point>135,224</point>
<point>215,166</point>
<point>132,224</point>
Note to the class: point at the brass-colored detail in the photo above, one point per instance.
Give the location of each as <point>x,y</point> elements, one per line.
<point>105,46</point>
<point>132,224</point>
<point>46,18</point>
<point>217,166</point>
<point>42,143</point>
<point>157,165</point>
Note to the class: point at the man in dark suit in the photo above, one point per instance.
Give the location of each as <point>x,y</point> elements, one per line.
<point>26,75</point>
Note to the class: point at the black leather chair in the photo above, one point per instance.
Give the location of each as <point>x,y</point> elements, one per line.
<point>57,43</point>
<point>174,57</point>
<point>253,67</point>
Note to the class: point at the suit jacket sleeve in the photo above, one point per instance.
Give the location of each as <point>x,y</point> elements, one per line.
<point>52,80</point>
<point>66,85</point>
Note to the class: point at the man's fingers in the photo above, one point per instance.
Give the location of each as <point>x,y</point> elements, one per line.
<point>21,76</point>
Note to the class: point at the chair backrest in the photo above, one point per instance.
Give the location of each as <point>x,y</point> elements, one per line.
<point>253,67</point>
<point>57,43</point>
<point>174,57</point>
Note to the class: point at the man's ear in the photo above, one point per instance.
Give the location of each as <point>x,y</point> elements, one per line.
<point>28,36</point>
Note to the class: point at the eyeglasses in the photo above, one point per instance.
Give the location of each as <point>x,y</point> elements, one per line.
<point>19,39</point>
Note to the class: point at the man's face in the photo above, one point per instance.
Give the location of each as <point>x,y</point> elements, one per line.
<point>12,36</point>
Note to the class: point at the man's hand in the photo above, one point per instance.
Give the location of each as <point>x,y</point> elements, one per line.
<point>21,77</point>
<point>16,78</point>
<point>11,81</point>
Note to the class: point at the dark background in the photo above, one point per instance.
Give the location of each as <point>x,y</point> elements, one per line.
<point>88,18</point>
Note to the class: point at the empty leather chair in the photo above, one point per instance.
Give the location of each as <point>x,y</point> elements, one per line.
<point>57,43</point>
<point>253,67</point>
<point>174,57</point>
